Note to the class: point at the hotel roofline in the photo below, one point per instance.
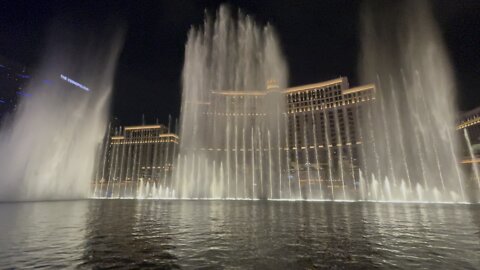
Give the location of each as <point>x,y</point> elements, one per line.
<point>469,118</point>
<point>144,127</point>
<point>316,85</point>
<point>342,80</point>
<point>164,135</point>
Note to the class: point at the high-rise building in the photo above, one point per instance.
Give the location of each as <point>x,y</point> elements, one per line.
<point>469,132</point>
<point>135,156</point>
<point>308,134</point>
<point>13,80</point>
<point>324,131</point>
<point>246,144</point>
<point>470,121</point>
<point>469,129</point>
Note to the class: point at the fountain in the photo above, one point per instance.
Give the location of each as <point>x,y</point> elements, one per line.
<point>413,120</point>
<point>407,149</point>
<point>245,135</point>
<point>49,142</point>
<point>232,111</point>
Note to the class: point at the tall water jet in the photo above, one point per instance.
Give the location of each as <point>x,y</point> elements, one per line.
<point>232,77</point>
<point>414,115</point>
<point>49,143</point>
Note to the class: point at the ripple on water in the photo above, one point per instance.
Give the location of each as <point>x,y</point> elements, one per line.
<point>107,234</point>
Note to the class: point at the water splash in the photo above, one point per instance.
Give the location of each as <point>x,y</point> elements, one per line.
<point>394,145</point>
<point>229,62</point>
<point>49,143</point>
<point>414,114</point>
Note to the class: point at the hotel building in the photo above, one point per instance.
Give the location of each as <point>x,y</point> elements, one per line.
<point>136,153</point>
<point>324,129</point>
<point>260,144</point>
<point>469,132</point>
<point>308,134</point>
<point>470,122</point>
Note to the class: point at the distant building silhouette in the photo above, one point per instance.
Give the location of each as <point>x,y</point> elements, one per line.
<point>13,80</point>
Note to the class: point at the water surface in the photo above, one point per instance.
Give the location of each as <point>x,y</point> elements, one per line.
<point>150,234</point>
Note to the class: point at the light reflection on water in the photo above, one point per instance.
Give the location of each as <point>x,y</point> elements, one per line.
<point>238,234</point>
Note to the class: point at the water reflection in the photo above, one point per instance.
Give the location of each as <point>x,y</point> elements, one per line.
<point>128,234</point>
<point>42,234</point>
<point>238,234</point>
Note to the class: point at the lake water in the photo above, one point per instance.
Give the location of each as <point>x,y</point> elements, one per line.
<point>129,234</point>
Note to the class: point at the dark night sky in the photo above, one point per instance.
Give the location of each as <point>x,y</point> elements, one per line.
<point>319,38</point>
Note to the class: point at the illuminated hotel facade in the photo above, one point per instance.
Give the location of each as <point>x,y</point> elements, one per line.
<point>470,122</point>
<point>319,135</point>
<point>133,154</point>
<point>469,132</point>
<point>308,135</point>
<point>324,130</point>
<point>313,132</point>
